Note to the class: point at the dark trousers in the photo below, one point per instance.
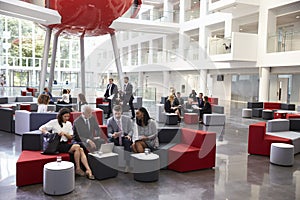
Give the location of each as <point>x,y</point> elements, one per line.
<point>130,103</point>
<point>125,142</point>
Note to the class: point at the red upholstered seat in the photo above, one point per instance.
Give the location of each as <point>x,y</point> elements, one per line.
<point>197,150</point>
<point>288,116</point>
<point>23,93</point>
<point>104,131</point>
<point>25,107</point>
<point>213,101</point>
<point>73,116</point>
<point>258,142</point>
<point>98,113</point>
<point>29,167</point>
<point>99,100</point>
<point>191,118</point>
<point>272,106</point>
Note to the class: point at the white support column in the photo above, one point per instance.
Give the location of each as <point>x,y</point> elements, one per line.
<point>264,84</point>
<point>150,59</point>
<point>139,51</point>
<point>166,83</point>
<point>140,87</point>
<point>168,11</point>
<point>203,81</point>
<point>82,64</point>
<point>117,58</point>
<point>45,59</point>
<point>182,11</point>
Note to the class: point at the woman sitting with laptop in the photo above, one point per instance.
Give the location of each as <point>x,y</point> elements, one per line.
<point>147,132</point>
<point>63,128</point>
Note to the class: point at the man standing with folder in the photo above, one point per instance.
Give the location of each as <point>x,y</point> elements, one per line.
<point>110,95</point>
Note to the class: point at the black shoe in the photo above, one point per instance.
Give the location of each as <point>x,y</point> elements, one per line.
<point>107,117</point>
<point>132,117</point>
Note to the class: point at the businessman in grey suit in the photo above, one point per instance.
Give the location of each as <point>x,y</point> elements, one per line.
<point>127,96</point>
<point>86,131</point>
<point>119,129</point>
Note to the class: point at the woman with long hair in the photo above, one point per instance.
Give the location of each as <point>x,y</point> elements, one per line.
<point>43,101</point>
<point>146,130</point>
<point>63,128</point>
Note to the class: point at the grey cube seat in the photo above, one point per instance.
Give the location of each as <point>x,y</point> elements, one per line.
<point>267,114</point>
<point>257,112</point>
<point>171,119</point>
<point>277,125</point>
<point>214,119</point>
<point>247,112</point>
<point>103,166</point>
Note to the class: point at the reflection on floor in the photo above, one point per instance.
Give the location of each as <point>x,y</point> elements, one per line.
<point>236,175</point>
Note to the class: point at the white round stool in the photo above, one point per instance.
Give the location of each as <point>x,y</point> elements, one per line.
<point>247,112</point>
<point>59,178</point>
<point>282,154</point>
<point>145,167</point>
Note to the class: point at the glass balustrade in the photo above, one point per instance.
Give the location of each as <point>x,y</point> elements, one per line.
<point>219,46</point>
<point>282,42</point>
<point>154,14</point>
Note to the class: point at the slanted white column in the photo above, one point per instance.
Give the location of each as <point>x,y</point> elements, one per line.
<point>264,83</point>
<point>203,81</point>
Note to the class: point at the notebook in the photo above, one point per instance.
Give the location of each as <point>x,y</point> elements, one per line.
<point>106,148</point>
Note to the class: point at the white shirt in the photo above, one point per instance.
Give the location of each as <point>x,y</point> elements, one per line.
<point>66,98</point>
<point>42,108</point>
<point>54,126</point>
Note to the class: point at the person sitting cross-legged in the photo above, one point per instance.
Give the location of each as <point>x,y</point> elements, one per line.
<point>86,130</point>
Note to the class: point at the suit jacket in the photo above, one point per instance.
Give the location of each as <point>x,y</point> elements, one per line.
<point>168,106</point>
<point>81,131</point>
<point>200,102</point>
<point>114,90</point>
<point>112,126</point>
<point>128,92</point>
<point>207,108</point>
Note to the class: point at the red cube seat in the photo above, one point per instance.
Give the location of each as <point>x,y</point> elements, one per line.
<point>29,167</point>
<point>197,150</point>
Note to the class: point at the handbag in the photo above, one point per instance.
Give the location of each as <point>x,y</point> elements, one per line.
<point>50,143</point>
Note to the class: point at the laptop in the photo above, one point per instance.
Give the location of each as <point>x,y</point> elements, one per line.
<point>106,148</point>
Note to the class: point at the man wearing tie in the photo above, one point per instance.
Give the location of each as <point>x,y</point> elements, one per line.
<point>119,128</point>
<point>128,96</point>
<point>120,131</point>
<point>86,131</point>
<point>110,95</point>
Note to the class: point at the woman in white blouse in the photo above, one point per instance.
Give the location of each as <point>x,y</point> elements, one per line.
<point>63,128</point>
<point>43,101</point>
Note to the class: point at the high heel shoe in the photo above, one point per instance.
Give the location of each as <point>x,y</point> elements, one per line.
<point>80,173</point>
<point>89,175</point>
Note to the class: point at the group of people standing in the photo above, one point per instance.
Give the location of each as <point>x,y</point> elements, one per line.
<point>122,97</point>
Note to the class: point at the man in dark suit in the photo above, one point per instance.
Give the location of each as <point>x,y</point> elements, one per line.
<point>86,130</point>
<point>110,95</point>
<point>206,109</point>
<point>127,96</point>
<point>200,100</point>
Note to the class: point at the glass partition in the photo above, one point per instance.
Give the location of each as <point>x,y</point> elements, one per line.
<point>286,41</point>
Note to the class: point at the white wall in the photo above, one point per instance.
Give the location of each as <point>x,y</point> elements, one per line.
<point>222,89</point>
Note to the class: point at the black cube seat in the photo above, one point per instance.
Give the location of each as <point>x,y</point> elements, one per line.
<point>257,112</point>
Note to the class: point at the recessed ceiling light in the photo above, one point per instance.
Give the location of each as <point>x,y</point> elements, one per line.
<point>297,17</point>
<point>241,29</point>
